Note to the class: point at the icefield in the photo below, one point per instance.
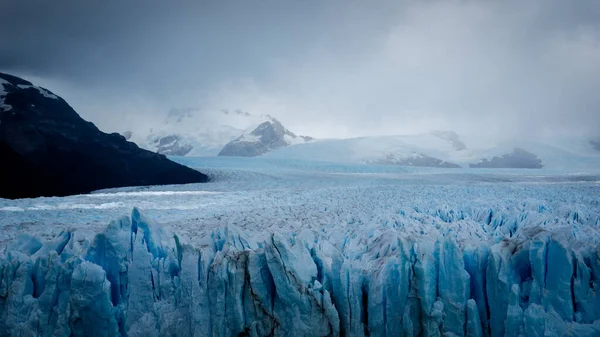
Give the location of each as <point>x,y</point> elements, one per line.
<point>300,248</point>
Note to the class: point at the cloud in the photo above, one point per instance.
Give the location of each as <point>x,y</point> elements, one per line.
<point>501,69</point>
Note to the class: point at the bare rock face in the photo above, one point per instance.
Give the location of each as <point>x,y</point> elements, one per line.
<point>47,149</point>
<point>519,158</point>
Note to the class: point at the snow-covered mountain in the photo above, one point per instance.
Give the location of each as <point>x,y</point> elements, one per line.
<point>553,154</point>
<point>446,149</point>
<point>193,132</point>
<point>518,158</point>
<point>436,149</point>
<point>414,159</point>
<point>268,136</point>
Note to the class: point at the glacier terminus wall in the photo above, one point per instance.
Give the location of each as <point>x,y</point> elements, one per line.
<point>137,279</point>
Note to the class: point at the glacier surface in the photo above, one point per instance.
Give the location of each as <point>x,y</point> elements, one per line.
<point>274,248</point>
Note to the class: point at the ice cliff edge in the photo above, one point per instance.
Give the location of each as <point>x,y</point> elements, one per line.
<point>135,278</point>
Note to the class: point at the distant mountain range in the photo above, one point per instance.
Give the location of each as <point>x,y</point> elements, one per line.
<point>239,133</point>
<point>445,149</point>
<point>268,136</point>
<point>47,149</point>
<point>224,132</point>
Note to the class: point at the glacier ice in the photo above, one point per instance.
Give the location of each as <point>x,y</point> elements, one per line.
<point>137,278</point>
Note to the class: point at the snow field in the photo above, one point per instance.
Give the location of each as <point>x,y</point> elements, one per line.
<point>309,249</point>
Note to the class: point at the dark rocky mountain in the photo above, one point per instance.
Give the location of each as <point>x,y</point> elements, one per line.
<point>519,158</point>
<point>268,136</point>
<point>47,149</point>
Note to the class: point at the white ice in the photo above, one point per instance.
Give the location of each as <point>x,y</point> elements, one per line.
<point>302,248</point>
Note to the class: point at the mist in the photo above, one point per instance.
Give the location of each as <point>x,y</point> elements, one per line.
<point>485,69</point>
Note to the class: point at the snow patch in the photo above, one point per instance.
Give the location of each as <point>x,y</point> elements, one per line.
<point>41,90</point>
<point>293,140</point>
<point>3,83</point>
<point>248,138</point>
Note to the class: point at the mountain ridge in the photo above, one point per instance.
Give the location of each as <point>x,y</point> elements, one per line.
<point>268,136</point>
<point>192,132</point>
<point>49,150</point>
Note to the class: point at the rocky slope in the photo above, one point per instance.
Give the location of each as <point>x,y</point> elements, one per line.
<point>267,137</point>
<point>47,149</point>
<point>199,132</point>
<point>196,132</point>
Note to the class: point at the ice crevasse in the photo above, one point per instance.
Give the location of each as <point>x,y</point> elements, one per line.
<point>137,279</point>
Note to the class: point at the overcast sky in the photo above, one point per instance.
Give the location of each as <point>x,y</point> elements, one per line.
<point>512,68</point>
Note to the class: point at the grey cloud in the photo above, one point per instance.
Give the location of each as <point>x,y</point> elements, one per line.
<point>340,68</point>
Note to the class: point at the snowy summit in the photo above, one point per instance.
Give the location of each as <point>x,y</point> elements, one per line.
<point>268,136</point>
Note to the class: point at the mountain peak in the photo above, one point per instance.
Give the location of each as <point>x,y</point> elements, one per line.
<point>196,132</point>
<point>17,87</point>
<point>266,137</point>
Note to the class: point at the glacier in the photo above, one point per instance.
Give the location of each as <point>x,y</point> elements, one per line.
<point>308,249</point>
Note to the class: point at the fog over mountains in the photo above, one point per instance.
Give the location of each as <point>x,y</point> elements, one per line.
<point>490,70</point>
